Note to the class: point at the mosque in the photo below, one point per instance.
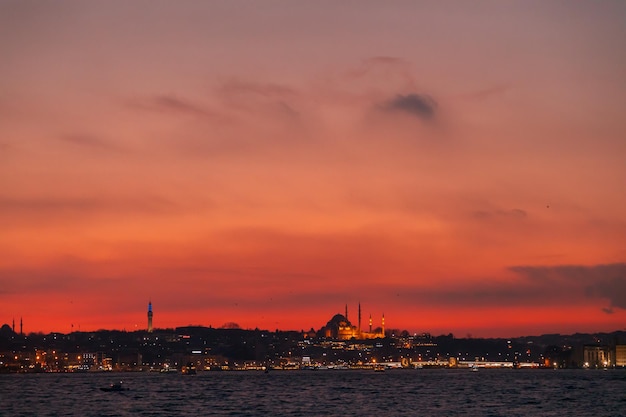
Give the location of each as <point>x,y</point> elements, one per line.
<point>340,328</point>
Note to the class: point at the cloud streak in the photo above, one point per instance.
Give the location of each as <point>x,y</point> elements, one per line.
<point>516,213</point>
<point>91,141</point>
<point>54,205</point>
<point>175,105</point>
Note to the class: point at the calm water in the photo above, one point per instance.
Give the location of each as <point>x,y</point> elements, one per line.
<point>320,393</point>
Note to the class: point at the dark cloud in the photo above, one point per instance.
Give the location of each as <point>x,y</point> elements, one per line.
<point>599,281</point>
<point>539,285</point>
<point>419,105</point>
<point>611,287</point>
<point>489,293</point>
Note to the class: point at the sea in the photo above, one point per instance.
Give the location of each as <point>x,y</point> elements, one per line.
<point>421,392</point>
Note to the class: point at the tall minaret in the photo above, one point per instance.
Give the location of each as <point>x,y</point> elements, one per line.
<point>150,317</point>
<point>13,325</point>
<point>346,315</point>
<point>359,319</point>
<point>370,322</point>
<point>383,324</point>
<point>21,327</point>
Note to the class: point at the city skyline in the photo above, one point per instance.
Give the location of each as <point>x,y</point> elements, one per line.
<point>456,166</point>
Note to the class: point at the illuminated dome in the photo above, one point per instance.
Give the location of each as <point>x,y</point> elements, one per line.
<point>339,327</point>
<point>338,320</point>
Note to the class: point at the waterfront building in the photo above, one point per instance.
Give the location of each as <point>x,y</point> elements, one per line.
<point>595,356</point>
<point>620,355</point>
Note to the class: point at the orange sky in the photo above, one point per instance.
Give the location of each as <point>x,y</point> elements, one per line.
<point>458,167</point>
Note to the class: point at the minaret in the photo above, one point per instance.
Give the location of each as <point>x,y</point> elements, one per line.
<point>13,325</point>
<point>150,317</point>
<point>359,319</point>
<point>21,327</point>
<point>346,315</point>
<point>383,324</point>
<point>370,322</point>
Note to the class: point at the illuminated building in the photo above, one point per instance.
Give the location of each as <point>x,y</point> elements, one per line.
<point>620,355</point>
<point>596,356</point>
<point>340,328</point>
<point>150,316</point>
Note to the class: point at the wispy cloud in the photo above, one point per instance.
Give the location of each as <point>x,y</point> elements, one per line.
<point>235,86</point>
<point>169,103</point>
<point>277,99</point>
<point>392,70</point>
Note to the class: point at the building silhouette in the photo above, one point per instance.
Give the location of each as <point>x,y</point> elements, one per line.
<point>150,316</point>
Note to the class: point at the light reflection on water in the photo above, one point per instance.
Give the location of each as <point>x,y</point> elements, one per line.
<point>315,393</point>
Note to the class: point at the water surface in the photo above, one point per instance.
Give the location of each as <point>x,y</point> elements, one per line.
<point>422,392</point>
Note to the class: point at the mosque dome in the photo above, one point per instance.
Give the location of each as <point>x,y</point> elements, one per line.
<point>338,320</point>
<point>6,331</point>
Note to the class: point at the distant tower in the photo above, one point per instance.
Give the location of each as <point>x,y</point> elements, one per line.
<point>21,327</point>
<point>383,324</point>
<point>150,317</point>
<point>346,315</point>
<point>359,319</point>
<point>370,322</point>
<point>13,325</point>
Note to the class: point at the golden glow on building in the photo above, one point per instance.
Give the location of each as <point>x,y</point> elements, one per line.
<point>340,328</point>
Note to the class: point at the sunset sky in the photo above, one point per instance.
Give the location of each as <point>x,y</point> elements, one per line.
<point>458,166</point>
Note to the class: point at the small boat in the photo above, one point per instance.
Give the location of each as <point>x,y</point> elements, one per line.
<point>114,388</point>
